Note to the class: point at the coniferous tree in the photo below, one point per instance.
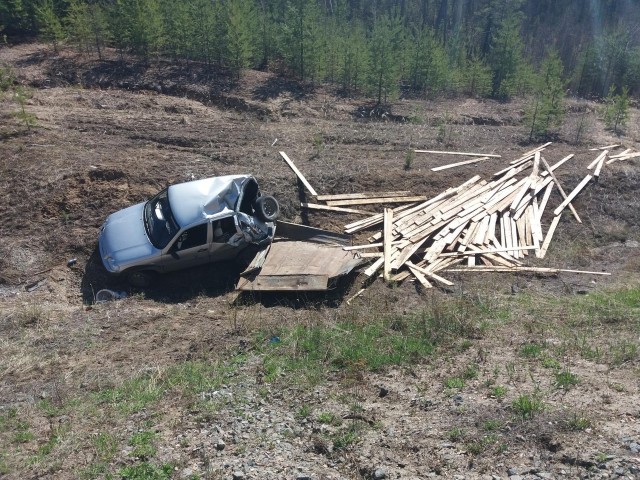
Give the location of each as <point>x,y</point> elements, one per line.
<point>476,78</point>
<point>241,28</point>
<point>78,26</point>
<point>546,110</point>
<point>429,68</point>
<point>49,22</point>
<point>384,45</point>
<point>505,55</point>
<point>616,109</point>
<point>354,60</point>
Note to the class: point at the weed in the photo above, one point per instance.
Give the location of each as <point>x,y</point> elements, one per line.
<point>329,419</point>
<point>623,352</point>
<point>455,434</point>
<point>527,406</point>
<point>304,411</point>
<point>601,457</point>
<point>23,436</point>
<point>146,471</point>
<point>492,425</point>
<point>142,443</point>
<point>531,350</point>
<point>408,160</point>
<point>31,315</point>
<point>479,446</point>
<point>470,372</point>
<point>550,362</point>
<point>454,383</point>
<point>578,422</point>
<point>565,379</point>
<point>4,468</point>
<point>106,446</point>
<point>346,439</point>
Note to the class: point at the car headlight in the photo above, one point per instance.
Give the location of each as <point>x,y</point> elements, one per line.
<point>114,267</point>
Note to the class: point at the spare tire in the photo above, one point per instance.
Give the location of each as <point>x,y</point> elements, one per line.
<point>267,208</point>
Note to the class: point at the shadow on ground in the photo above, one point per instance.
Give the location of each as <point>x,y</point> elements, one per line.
<point>177,287</point>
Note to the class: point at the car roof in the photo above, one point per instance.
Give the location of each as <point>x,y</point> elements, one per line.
<point>192,202</point>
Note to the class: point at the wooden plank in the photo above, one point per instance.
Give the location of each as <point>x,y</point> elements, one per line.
<point>545,200</point>
<point>371,270</point>
<point>536,165</point>
<point>480,268</point>
<point>626,157</point>
<point>353,297</point>
<point>317,206</point>
<point>370,201</point>
<point>364,247</point>
<point>459,164</point>
<point>430,274</point>
<point>621,154</point>
<point>597,159</point>
<point>573,194</point>
<point>370,254</point>
<point>419,276</point>
<point>531,152</point>
<point>286,283</point>
<point>484,252</point>
<point>547,239</point>
<point>608,147</point>
<point>562,192</point>
<point>558,164</point>
<point>596,172</point>
<point>459,153</point>
<point>387,237</point>
<point>354,196</point>
<point>298,174</point>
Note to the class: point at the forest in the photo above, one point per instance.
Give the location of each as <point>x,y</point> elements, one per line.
<point>377,48</point>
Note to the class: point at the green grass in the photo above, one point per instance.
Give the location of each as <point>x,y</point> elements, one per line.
<point>142,443</point>
<point>456,434</point>
<point>146,471</point>
<point>454,383</point>
<point>492,425</point>
<point>565,379</point>
<point>527,406</point>
<point>531,350</point>
<point>499,391</point>
<point>143,390</point>
<point>329,418</point>
<point>578,422</point>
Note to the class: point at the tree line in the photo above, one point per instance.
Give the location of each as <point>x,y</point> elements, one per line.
<point>485,48</point>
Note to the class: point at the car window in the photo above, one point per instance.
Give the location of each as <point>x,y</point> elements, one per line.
<point>223,229</point>
<point>191,238</point>
<point>158,220</point>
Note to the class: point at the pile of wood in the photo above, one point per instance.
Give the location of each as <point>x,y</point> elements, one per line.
<point>481,225</point>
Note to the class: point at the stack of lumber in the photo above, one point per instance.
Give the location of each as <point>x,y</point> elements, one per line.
<point>481,225</point>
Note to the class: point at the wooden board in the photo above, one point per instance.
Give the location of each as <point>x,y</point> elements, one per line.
<point>459,164</point>
<point>387,237</point>
<point>317,206</point>
<point>459,153</point>
<point>298,174</point>
<point>573,194</point>
<point>292,265</point>
<point>562,192</point>
<point>369,201</point>
<point>355,196</point>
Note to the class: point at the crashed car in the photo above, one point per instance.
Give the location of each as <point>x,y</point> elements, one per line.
<point>185,225</point>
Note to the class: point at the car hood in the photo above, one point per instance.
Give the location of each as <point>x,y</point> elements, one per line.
<point>124,239</point>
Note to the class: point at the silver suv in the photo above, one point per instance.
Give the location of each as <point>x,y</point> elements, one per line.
<point>185,225</point>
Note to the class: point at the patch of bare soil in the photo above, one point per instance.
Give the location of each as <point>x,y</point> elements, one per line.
<point>112,133</point>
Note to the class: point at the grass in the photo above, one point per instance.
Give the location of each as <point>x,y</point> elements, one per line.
<point>526,406</point>
<point>565,379</point>
<point>499,391</point>
<point>142,443</point>
<point>531,350</point>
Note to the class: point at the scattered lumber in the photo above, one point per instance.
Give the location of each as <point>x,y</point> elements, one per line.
<point>607,147</point>
<point>482,225</point>
<point>439,152</point>
<point>298,174</point>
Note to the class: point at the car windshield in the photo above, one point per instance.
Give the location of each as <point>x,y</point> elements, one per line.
<point>158,220</point>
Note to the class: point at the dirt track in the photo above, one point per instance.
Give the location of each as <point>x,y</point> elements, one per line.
<point>109,137</point>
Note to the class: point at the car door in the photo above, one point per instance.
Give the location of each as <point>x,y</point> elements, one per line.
<point>189,248</point>
<point>224,241</point>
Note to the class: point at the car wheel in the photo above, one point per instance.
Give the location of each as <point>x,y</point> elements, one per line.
<point>267,208</point>
<point>140,278</point>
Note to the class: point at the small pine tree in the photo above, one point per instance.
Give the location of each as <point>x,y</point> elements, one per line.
<point>21,95</point>
<point>50,25</point>
<point>384,45</point>
<point>476,78</point>
<point>240,35</point>
<point>546,110</point>
<point>616,109</point>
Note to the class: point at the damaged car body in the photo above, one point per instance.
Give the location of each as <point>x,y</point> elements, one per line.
<point>185,225</point>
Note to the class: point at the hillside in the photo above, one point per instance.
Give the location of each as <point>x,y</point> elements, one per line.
<point>519,376</point>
